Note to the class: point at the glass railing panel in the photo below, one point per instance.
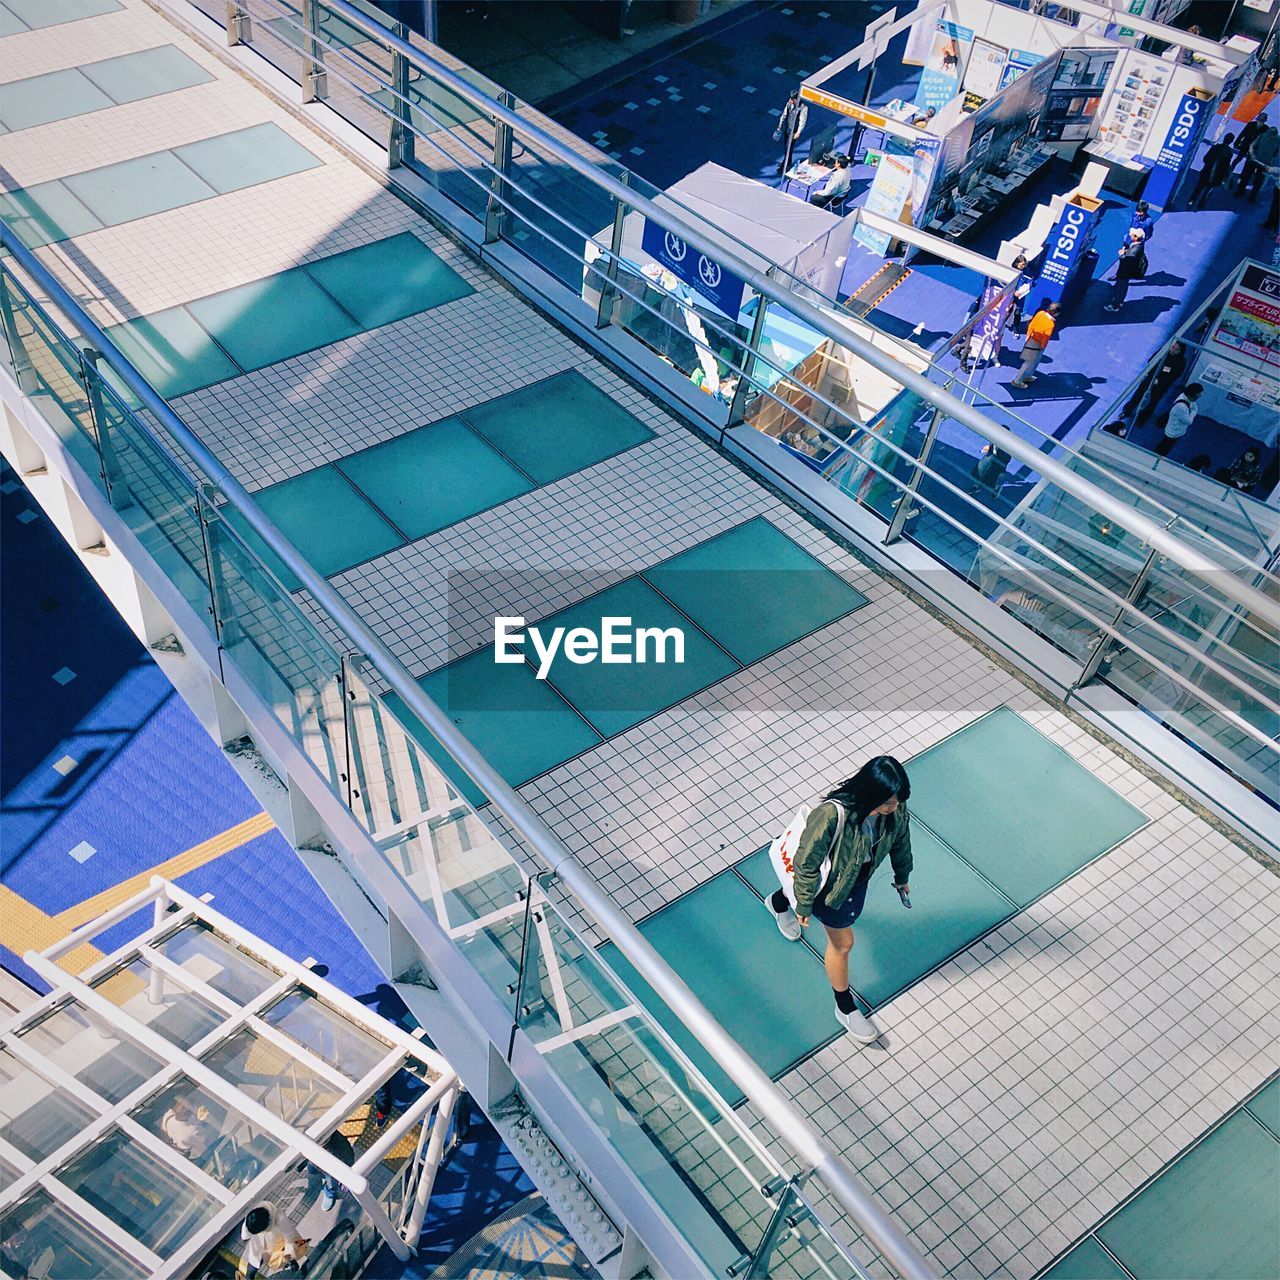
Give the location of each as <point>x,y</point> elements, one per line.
<point>685,1144</point>
<point>49,370</point>
<point>278,649</point>
<point>156,497</point>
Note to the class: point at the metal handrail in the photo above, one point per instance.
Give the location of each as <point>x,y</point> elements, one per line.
<point>806,1142</point>
<point>1153,534</point>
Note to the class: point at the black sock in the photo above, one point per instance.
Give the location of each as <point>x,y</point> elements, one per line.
<point>779,902</point>
<point>844,1000</point>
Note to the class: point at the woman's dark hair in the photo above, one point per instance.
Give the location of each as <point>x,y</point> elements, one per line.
<point>877,781</point>
<point>257,1220</point>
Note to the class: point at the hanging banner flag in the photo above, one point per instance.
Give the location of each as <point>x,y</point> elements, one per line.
<point>1179,146</point>
<point>709,279</point>
<point>988,329</point>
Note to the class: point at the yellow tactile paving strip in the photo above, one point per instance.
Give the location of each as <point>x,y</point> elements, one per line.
<point>24,927</point>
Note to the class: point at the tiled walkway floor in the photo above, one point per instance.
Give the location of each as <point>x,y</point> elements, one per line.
<point>1026,1086</point>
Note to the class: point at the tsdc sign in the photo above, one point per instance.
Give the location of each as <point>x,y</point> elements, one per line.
<point>702,274</point>
<point>1173,157</point>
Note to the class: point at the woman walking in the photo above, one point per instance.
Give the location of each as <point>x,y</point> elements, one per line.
<point>843,841</point>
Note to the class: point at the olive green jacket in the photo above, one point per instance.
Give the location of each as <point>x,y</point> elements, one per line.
<point>815,844</point>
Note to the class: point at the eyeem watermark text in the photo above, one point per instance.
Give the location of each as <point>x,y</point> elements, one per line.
<point>618,641</point>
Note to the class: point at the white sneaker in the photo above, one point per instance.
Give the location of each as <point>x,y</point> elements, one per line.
<point>860,1028</point>
<point>787,923</point>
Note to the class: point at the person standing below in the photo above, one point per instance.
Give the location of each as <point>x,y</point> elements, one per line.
<point>1244,140</point>
<point>863,821</point>
<point>1213,172</point>
<point>1146,399</point>
<point>1182,413</point>
<point>1244,473</point>
<point>1131,265</point>
<point>795,115</point>
<point>1021,290</point>
<point>1040,329</point>
<point>837,185</point>
<point>1142,220</point>
<point>1264,158</point>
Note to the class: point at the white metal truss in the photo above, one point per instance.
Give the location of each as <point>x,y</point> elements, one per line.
<point>175,910</point>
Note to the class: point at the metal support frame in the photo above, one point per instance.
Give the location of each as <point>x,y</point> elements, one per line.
<point>239,25</point>
<point>400,137</point>
<point>496,215</point>
<point>738,405</point>
<point>315,82</point>
<point>902,508</point>
<point>113,476</point>
<point>1105,639</point>
<point>759,1266</point>
<point>609,276</point>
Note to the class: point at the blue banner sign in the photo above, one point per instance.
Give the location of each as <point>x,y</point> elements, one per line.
<point>1067,241</point>
<point>719,287</point>
<point>1179,144</point>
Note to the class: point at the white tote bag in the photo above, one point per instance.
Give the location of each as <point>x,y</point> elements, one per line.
<point>782,851</point>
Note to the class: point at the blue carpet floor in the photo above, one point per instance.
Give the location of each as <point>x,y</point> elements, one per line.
<point>77,686</point>
<point>717,98</point>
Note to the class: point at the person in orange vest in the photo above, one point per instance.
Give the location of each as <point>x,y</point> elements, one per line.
<point>1040,329</point>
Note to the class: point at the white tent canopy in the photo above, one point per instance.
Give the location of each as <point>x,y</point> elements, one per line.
<point>754,222</point>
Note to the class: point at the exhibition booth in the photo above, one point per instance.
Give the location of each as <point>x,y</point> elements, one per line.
<point>1001,91</point>
<point>676,293</point>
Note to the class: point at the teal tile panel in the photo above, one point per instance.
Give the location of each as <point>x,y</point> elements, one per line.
<point>616,696</point>
<point>145,74</point>
<point>327,520</point>
<point>287,579</point>
<point>753,590</point>
<point>517,722</point>
<point>45,213</point>
<point>769,994</point>
<point>137,188</point>
<point>385,281</point>
<point>1087,1261</point>
<point>557,426</point>
<point>1265,1106</point>
<point>951,906</point>
<point>1214,1215</point>
<point>433,477</point>
<point>268,320</point>
<point>35,14</point>
<point>43,99</point>
<point>1016,806</point>
<point>172,352</point>
<point>246,157</point>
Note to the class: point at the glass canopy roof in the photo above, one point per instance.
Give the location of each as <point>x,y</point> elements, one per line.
<point>148,1104</point>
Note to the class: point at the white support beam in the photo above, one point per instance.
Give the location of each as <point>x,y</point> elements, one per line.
<point>363,1088</point>
<point>594,1027</point>
<point>46,1067</point>
<point>182,1165</point>
<point>402,1124</point>
<point>87,932</point>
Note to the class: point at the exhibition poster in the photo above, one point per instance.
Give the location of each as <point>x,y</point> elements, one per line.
<point>924,160</point>
<point>1140,85</point>
<point>888,196</point>
<point>1018,63</point>
<point>944,67</point>
<point>1251,326</point>
<point>982,75</point>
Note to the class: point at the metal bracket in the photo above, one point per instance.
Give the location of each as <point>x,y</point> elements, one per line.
<point>239,25</point>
